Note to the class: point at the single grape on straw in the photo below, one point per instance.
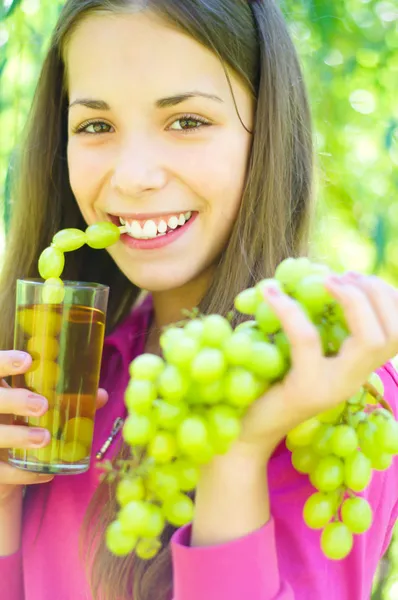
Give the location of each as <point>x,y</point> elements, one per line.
<point>186,406</point>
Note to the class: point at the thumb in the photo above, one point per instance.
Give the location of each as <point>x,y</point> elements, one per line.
<point>102,398</point>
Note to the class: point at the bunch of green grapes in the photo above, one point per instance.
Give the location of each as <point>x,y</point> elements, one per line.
<point>52,259</point>
<point>187,406</point>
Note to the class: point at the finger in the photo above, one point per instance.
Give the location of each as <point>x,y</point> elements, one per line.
<point>15,401</point>
<point>10,475</point>
<point>364,349</point>
<point>102,398</point>
<point>361,318</point>
<point>13,362</point>
<point>20,436</point>
<point>305,342</point>
<point>384,299</point>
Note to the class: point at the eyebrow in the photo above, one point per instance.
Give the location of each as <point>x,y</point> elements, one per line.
<point>161,103</point>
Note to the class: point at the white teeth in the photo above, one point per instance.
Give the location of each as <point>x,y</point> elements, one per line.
<point>173,222</point>
<point>162,227</point>
<point>181,219</point>
<point>122,221</point>
<point>135,230</point>
<point>150,230</point>
<point>188,215</point>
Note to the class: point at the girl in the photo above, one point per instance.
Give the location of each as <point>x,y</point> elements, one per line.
<point>189,118</point>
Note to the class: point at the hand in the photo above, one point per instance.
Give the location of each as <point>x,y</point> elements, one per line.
<point>16,402</point>
<point>316,383</point>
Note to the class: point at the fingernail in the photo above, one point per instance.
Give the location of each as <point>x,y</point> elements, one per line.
<point>272,291</point>
<point>36,404</point>
<point>335,280</point>
<point>38,437</point>
<point>353,276</point>
<point>18,359</point>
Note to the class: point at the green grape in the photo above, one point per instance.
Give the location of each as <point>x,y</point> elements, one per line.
<point>318,510</point>
<point>304,460</point>
<point>366,432</point>
<point>172,384</point>
<point>209,364</point>
<point>332,415</point>
<point>129,489</point>
<point>328,474</point>
<point>211,393</point>
<point>357,514</point>
<point>51,263</point>
<point>102,235</point>
<point>147,548</point>
<point>303,434</point>
<point>162,447</point>
<point>147,366</point>
<point>169,416</point>
<point>321,442</point>
<point>246,326</point>
<point>140,395</point>
<point>246,302</point>
<point>136,517</point>
<point>358,399</point>
<point>381,461</point>
<point>187,474</point>
<point>154,524</point>
<point>241,387</point>
<point>267,361</point>
<point>163,481</point>
<point>267,320</point>
<point>291,271</point>
<point>68,240</point>
<point>344,440</point>
<point>53,291</point>
<point>192,435</point>
<point>238,349</point>
<point>336,541</point>
<point>194,329</point>
<point>357,471</point>
<point>387,435</point>
<point>377,382</point>
<point>119,542</point>
<point>281,341</point>
<point>313,295</point>
<point>224,424</point>
<point>181,351</point>
<point>216,331</point>
<point>138,430</point>
<point>73,451</point>
<point>170,334</point>
<point>337,335</point>
<point>178,510</point>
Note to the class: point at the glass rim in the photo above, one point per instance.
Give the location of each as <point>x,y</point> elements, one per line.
<point>78,285</point>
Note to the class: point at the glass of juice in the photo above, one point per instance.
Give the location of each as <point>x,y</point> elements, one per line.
<point>65,339</point>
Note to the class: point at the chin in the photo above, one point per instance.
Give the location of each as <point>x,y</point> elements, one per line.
<point>158,279</point>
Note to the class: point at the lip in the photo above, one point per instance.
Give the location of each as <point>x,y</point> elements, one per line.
<point>157,242</point>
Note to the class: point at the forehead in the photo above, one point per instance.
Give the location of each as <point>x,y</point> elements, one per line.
<point>140,52</point>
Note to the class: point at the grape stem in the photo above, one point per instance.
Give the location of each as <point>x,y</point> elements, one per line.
<point>377,396</point>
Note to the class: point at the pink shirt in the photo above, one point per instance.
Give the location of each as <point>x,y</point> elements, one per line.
<point>280,561</point>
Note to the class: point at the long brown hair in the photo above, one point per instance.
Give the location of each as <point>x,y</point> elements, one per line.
<point>250,38</point>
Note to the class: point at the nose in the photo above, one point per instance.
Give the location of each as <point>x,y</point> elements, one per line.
<point>138,168</point>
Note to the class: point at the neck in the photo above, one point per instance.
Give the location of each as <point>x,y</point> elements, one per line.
<point>168,306</point>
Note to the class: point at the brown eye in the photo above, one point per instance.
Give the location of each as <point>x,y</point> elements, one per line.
<point>96,127</point>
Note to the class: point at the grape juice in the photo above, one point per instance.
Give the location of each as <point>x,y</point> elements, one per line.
<point>65,343</point>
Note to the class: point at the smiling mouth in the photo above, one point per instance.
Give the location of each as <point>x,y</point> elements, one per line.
<point>149,229</point>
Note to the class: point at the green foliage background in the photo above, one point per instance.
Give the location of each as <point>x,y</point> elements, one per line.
<point>349,50</point>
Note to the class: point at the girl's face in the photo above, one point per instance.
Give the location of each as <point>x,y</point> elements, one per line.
<point>155,138</point>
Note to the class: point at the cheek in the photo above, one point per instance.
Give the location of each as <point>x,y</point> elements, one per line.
<point>218,174</point>
<point>87,171</point>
